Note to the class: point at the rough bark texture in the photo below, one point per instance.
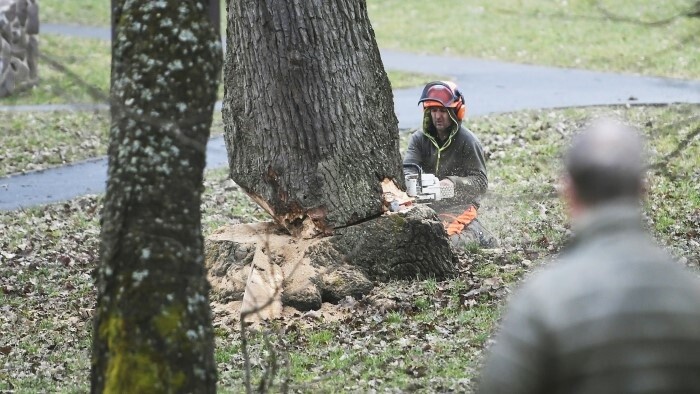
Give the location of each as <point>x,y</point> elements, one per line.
<point>310,124</point>
<point>397,246</point>
<point>153,324</point>
<point>416,241</point>
<point>19,47</point>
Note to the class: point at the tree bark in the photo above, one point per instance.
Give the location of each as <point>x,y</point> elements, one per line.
<point>153,329</point>
<point>308,109</point>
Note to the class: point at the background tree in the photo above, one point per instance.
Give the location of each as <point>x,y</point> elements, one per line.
<point>153,322</point>
<point>310,124</point>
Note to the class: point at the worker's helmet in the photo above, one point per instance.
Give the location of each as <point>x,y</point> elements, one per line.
<point>444,94</point>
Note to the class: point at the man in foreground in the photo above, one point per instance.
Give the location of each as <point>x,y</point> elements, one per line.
<point>615,314</point>
<point>451,152</point>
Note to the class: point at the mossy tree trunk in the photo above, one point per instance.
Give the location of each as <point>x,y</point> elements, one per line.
<point>310,124</point>
<point>153,329</point>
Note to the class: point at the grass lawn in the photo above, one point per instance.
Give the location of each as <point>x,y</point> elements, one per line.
<point>400,79</point>
<point>88,65</point>
<point>577,33</point>
<point>558,33</point>
<point>404,336</point>
<point>75,12</point>
<point>35,141</point>
<point>423,335</point>
<point>562,33</point>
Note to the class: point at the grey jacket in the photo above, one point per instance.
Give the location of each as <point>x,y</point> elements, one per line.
<point>615,315</point>
<point>460,158</point>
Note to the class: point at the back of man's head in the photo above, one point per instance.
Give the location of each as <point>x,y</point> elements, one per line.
<point>606,163</point>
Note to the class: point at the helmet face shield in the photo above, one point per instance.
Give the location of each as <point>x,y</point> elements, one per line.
<point>438,92</point>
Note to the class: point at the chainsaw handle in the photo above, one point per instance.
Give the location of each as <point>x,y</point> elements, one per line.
<point>418,168</point>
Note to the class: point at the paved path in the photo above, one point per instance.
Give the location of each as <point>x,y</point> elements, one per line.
<point>491,86</point>
<point>488,86</point>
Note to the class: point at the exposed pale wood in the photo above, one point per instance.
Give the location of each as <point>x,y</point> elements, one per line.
<point>262,299</point>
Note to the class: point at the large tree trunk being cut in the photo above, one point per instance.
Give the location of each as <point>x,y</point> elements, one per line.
<point>310,124</point>
<point>312,137</point>
<point>153,331</point>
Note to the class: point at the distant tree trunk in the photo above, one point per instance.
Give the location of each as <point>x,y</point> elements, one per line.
<point>310,124</point>
<point>153,329</point>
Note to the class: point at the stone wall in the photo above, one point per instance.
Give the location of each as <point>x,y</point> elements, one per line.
<point>19,49</point>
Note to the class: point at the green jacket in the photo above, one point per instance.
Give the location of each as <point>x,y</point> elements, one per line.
<point>460,158</point>
<point>614,315</point>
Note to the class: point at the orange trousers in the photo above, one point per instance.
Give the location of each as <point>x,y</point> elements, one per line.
<point>455,225</point>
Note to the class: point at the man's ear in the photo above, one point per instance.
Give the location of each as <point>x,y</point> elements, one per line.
<point>562,186</point>
<point>567,191</point>
<point>644,188</point>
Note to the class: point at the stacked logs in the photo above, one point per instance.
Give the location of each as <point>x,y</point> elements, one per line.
<point>19,47</point>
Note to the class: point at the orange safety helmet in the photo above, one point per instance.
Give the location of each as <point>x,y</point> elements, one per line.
<point>444,94</point>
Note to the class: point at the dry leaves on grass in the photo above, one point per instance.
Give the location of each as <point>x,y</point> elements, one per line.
<point>36,141</point>
<point>403,334</point>
<point>46,259</point>
<point>417,335</point>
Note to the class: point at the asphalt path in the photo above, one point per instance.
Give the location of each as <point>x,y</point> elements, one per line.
<point>488,86</point>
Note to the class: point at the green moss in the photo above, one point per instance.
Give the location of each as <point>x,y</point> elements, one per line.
<point>133,373</point>
<point>337,281</point>
<point>399,222</point>
<point>167,323</point>
<point>178,379</point>
<point>135,368</point>
<point>129,370</point>
<point>110,330</point>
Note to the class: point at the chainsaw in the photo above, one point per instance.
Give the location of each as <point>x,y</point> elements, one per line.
<point>421,188</point>
<point>426,187</point>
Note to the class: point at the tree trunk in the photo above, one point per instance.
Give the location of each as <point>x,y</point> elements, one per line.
<point>312,137</point>
<point>310,124</point>
<point>153,328</point>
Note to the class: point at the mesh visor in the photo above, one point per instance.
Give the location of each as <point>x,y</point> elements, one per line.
<point>440,93</point>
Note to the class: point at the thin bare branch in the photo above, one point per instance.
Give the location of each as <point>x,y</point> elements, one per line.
<point>95,92</point>
<point>682,145</point>
<point>692,11</point>
<point>98,95</point>
<point>246,356</point>
<point>605,15</point>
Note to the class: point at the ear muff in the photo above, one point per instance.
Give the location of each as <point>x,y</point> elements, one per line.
<point>461,112</point>
<point>461,109</point>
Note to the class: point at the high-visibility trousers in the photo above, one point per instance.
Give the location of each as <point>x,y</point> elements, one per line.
<point>455,225</point>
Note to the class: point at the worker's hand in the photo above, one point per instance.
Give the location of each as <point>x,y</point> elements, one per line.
<point>446,182</point>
